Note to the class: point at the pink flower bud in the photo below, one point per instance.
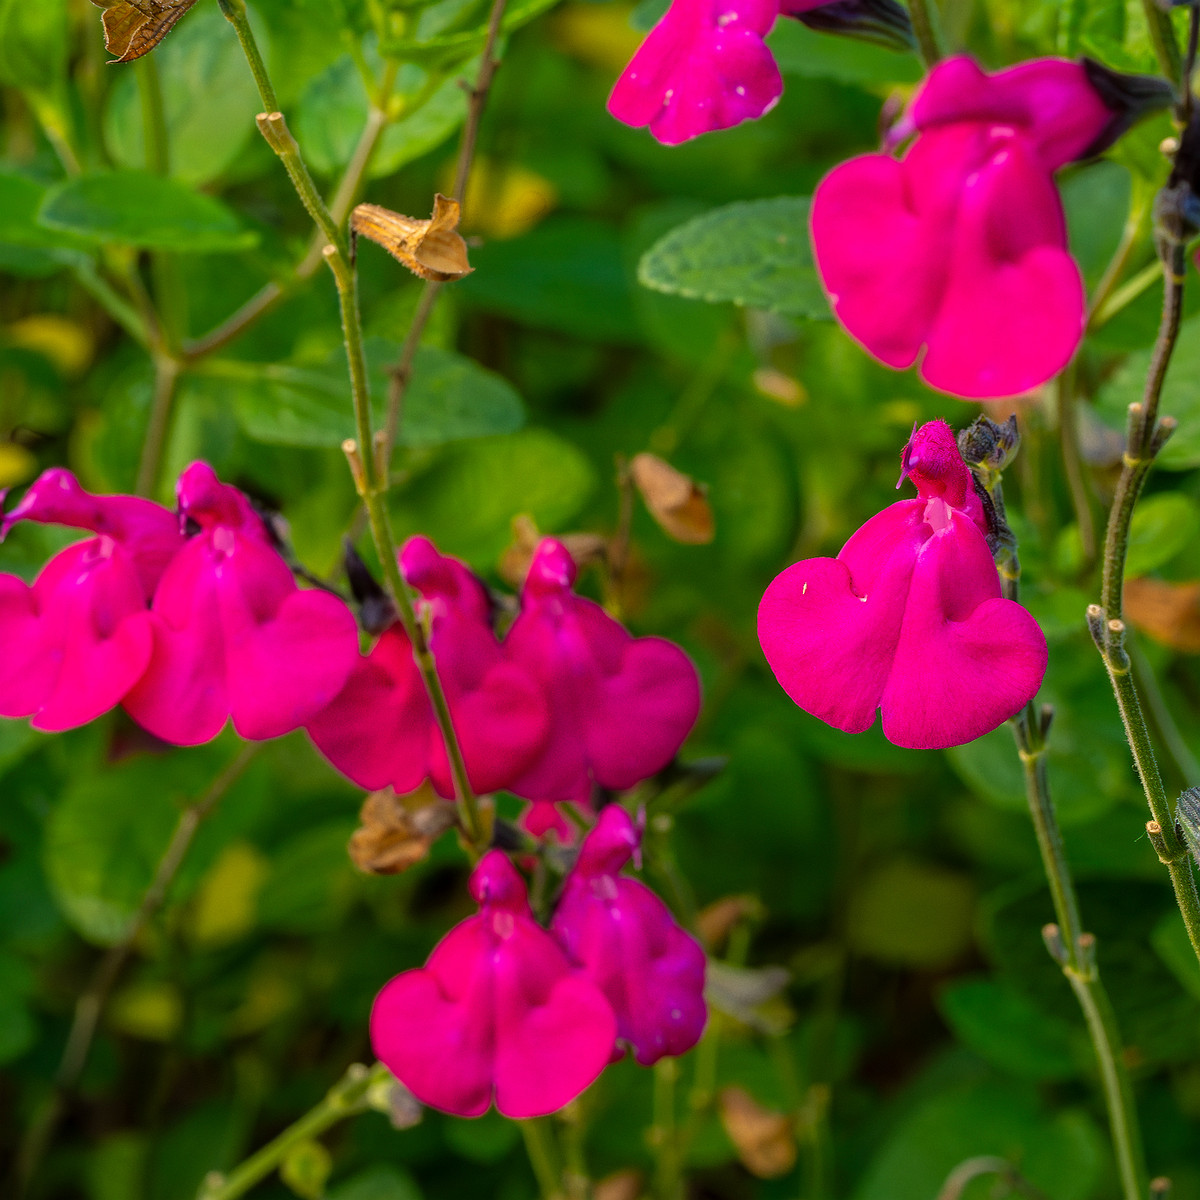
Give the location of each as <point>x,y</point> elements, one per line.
<point>626,940</point>
<point>907,619</point>
<point>496,1012</point>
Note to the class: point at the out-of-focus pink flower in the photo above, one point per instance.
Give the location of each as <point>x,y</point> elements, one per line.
<point>380,730</point>
<point>233,634</point>
<point>148,533</point>
<point>908,618</point>
<point>75,642</point>
<point>620,707</point>
<point>625,938</point>
<point>497,1012</point>
<point>960,247</point>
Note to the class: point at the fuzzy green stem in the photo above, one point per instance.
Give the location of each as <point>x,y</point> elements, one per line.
<point>1075,952</point>
<point>543,1156</point>
<point>347,1098</point>
<point>235,14</point>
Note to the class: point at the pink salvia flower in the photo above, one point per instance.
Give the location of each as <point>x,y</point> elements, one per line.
<point>704,66</point>
<point>146,531</point>
<point>234,637</point>
<point>908,618</point>
<point>497,1012</point>
<point>625,938</point>
<point>380,730</point>
<point>620,707</point>
<point>960,247</point>
<point>77,640</point>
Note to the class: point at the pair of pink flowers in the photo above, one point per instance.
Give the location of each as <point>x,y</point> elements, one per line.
<point>908,618</point>
<point>187,619</point>
<point>507,1010</point>
<point>569,701</point>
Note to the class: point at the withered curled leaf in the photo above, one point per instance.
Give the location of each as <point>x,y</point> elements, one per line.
<point>134,27</point>
<point>676,502</point>
<point>765,1141</point>
<point>397,831</point>
<point>432,249</point>
<point>1168,612</point>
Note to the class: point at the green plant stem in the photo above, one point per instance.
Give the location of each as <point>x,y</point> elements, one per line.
<point>235,14</point>
<point>1068,436</point>
<point>90,1006</point>
<point>1075,952</point>
<point>543,1157</point>
<point>927,27</point>
<point>1121,297</point>
<point>1099,299</point>
<point>664,1134</point>
<point>1162,36</point>
<point>347,1098</point>
<point>166,379</point>
<point>112,302</point>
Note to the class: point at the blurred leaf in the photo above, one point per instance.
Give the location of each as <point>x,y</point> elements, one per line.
<point>311,880</point>
<point>1003,1027</point>
<point>912,913</point>
<point>447,48</point>
<point>380,1182</point>
<point>449,398</point>
<point>306,1168</point>
<point>225,907</point>
<point>33,43</point>
<point>755,253</point>
<point>1180,398</point>
<point>485,1139</point>
<point>1162,526</point>
<point>202,59</point>
<point>802,51</point>
<point>1170,939</point>
<point>1096,200</point>
<point>135,208</point>
<point>117,1167</point>
<point>151,1009</point>
<point>17,1029</point>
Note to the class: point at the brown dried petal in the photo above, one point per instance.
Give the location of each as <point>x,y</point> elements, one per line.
<point>134,27</point>
<point>432,249</point>
<point>396,832</point>
<point>676,502</point>
<point>621,1185</point>
<point>765,1141</point>
<point>1168,612</point>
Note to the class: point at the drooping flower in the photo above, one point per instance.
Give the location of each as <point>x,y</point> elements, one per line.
<point>959,248</point>
<point>908,618</point>
<point>706,66</point>
<point>380,730</point>
<point>620,707</point>
<point>625,938</point>
<point>497,1012</point>
<point>234,637</point>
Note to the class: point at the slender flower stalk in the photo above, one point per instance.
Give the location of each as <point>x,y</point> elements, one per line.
<point>927,27</point>
<point>543,1156</point>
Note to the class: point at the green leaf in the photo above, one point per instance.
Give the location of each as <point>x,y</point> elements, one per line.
<point>446,48</point>
<point>1096,200</point>
<point>1180,398</point>
<point>1162,526</point>
<point>449,398</point>
<point>306,1169</point>
<point>135,208</point>
<point>380,1182</point>
<point>17,1029</point>
<point>199,59</point>
<point>1002,1026</point>
<point>1170,940</point>
<point>755,253</point>
<point>802,51</point>
<point>486,1139</point>
<point>33,43</point>
<point>310,882</point>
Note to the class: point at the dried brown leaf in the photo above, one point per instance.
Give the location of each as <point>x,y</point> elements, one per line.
<point>432,249</point>
<point>134,27</point>
<point>397,831</point>
<point>1168,612</point>
<point>716,922</point>
<point>621,1185</point>
<point>676,502</point>
<point>765,1141</point>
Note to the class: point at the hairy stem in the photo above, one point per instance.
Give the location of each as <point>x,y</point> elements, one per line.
<point>347,1098</point>
<point>1075,952</point>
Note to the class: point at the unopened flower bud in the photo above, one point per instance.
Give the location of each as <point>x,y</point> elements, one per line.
<point>376,611</point>
<point>986,443</point>
<point>883,22</point>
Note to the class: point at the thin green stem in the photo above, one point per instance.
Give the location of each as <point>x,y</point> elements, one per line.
<point>1098,302</point>
<point>235,14</point>
<point>1068,436</point>
<point>664,1134</point>
<point>162,402</point>
<point>347,1098</point>
<point>1121,297</point>
<point>543,1156</point>
<point>1075,952</point>
<point>927,27</point>
<point>112,302</point>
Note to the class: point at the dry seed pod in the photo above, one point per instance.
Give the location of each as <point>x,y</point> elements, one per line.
<point>432,249</point>
<point>765,1141</point>
<point>134,27</point>
<point>1168,612</point>
<point>397,831</point>
<point>676,502</point>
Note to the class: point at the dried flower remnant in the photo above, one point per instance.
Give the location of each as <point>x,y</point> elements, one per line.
<point>908,618</point>
<point>134,27</point>
<point>432,249</point>
<point>677,502</point>
<point>497,1012</point>
<point>1168,612</point>
<point>397,831</point>
<point>765,1141</point>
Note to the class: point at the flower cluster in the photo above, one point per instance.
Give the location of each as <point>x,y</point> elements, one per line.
<point>505,1009</point>
<point>908,618</point>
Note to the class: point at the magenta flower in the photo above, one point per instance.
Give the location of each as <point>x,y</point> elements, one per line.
<point>620,707</point>
<point>497,1012</point>
<point>908,618</point>
<point>626,940</point>
<point>77,640</point>
<point>380,729</point>
<point>960,246</point>
<point>234,637</point>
